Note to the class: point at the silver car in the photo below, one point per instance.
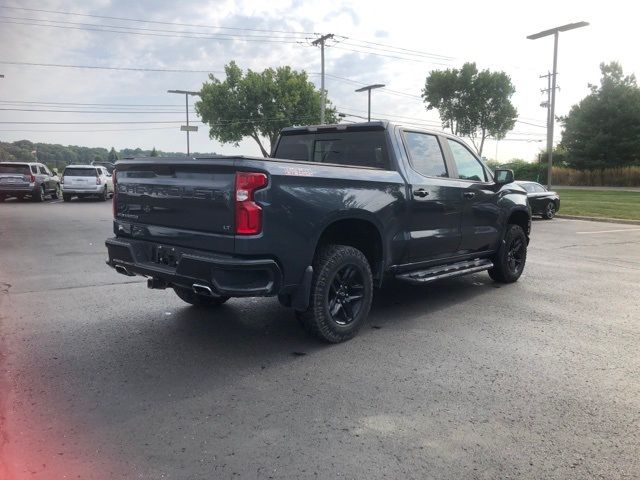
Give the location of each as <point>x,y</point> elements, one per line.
<point>86,181</point>
<point>27,179</point>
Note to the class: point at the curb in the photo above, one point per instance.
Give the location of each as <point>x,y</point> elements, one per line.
<point>600,219</point>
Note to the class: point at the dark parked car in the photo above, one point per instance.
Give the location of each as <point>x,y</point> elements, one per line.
<point>542,201</point>
<point>35,180</point>
<point>338,210</point>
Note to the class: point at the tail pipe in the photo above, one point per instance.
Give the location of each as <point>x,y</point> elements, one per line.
<point>202,290</point>
<point>123,270</point>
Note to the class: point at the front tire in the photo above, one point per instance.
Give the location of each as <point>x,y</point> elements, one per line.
<point>193,298</point>
<point>549,211</point>
<point>341,294</point>
<point>508,264</point>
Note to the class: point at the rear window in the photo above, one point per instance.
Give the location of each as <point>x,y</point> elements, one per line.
<point>80,172</point>
<point>365,148</point>
<point>19,168</point>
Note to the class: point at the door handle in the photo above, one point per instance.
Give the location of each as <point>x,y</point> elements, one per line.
<point>421,192</point>
<point>469,194</point>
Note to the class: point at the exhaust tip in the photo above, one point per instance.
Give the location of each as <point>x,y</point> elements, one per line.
<point>202,290</point>
<point>123,270</point>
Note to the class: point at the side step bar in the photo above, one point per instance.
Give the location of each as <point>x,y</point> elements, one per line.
<point>446,271</point>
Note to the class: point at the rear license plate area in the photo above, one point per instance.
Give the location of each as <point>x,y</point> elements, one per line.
<point>165,256</point>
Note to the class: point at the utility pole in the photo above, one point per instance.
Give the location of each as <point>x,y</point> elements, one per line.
<point>368,89</point>
<point>320,41</point>
<point>187,128</point>
<point>552,108</point>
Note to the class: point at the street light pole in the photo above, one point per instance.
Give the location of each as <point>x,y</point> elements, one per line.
<point>186,128</point>
<point>368,89</point>
<point>552,108</point>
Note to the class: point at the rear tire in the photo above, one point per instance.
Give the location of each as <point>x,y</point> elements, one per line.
<point>66,197</point>
<point>105,195</point>
<point>38,195</point>
<point>193,298</point>
<point>508,264</point>
<point>56,193</point>
<point>2,198</point>
<point>341,294</point>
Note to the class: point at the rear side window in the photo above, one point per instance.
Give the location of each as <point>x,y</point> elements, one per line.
<point>80,172</point>
<point>18,168</point>
<point>425,154</point>
<point>43,170</point>
<point>469,168</point>
<point>365,148</point>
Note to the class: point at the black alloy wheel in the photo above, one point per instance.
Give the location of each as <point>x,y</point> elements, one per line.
<point>510,259</point>
<point>550,211</point>
<point>516,255</point>
<point>346,294</point>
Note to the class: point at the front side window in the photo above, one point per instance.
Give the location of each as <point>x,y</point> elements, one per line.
<point>425,154</point>
<point>469,168</point>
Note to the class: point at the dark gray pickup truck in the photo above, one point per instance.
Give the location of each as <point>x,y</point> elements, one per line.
<point>336,211</point>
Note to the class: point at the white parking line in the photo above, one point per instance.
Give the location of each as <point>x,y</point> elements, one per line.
<point>612,231</point>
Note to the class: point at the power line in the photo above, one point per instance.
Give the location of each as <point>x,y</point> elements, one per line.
<point>98,67</point>
<point>91,111</point>
<point>85,131</point>
<point>398,51</point>
<point>435,55</point>
<point>58,12</point>
<point>389,56</point>
<point>94,104</point>
<point>135,29</point>
<point>149,34</point>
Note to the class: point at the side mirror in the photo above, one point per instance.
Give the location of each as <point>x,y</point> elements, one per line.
<point>503,176</point>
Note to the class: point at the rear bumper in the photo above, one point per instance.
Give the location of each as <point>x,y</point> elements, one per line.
<point>11,190</point>
<point>224,274</point>
<point>94,190</point>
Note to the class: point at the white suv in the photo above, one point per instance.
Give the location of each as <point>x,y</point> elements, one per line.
<point>86,181</point>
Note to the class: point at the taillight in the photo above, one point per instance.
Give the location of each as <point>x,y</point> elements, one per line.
<point>248,212</point>
<point>62,181</point>
<point>32,178</point>
<point>114,199</point>
<point>98,181</point>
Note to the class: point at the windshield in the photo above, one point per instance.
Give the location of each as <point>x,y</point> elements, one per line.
<point>80,172</point>
<point>19,168</point>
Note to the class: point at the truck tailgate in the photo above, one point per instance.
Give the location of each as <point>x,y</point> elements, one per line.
<point>185,198</point>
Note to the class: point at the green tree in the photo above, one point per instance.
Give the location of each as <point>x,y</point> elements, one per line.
<point>154,152</point>
<point>603,130</point>
<point>472,103</point>
<point>113,155</point>
<point>258,105</point>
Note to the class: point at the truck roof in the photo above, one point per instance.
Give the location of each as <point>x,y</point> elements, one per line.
<point>359,126</point>
<point>374,125</point>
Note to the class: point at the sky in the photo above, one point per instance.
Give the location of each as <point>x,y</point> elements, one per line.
<point>394,43</point>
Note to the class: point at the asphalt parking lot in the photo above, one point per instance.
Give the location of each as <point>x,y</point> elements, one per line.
<point>102,378</point>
